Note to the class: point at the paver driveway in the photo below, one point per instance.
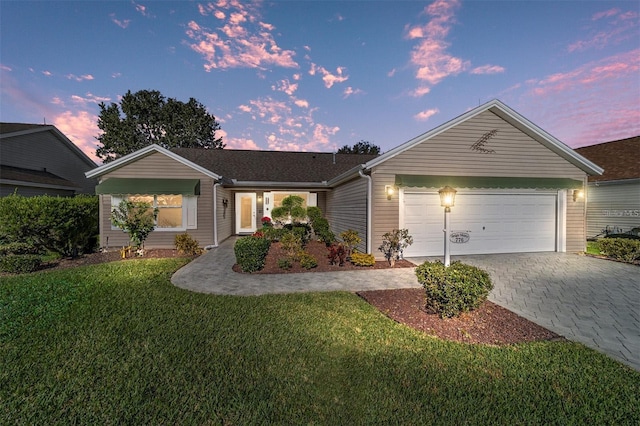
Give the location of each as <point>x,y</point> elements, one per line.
<point>592,301</point>
<point>585,299</point>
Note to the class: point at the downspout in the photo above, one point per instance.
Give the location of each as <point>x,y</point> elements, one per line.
<point>215,217</point>
<point>369,231</point>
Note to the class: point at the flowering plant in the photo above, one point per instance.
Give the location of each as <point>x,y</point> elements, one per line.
<point>266,221</point>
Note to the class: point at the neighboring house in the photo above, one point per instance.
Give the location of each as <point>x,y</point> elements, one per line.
<point>37,159</point>
<point>613,199</point>
<point>515,187</point>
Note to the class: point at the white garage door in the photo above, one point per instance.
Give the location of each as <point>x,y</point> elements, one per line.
<point>494,223</point>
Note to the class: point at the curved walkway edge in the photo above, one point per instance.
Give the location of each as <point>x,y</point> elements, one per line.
<point>592,301</point>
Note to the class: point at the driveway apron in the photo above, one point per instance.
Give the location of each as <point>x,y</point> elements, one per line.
<point>588,300</point>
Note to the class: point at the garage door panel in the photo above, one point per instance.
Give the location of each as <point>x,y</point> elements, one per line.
<point>496,223</point>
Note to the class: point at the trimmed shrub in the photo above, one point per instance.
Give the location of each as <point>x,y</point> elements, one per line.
<point>18,248</point>
<point>363,259</point>
<point>186,245</point>
<point>273,234</point>
<point>454,289</point>
<point>350,239</point>
<point>20,263</point>
<point>307,261</point>
<point>625,249</point>
<point>251,252</point>
<point>301,230</point>
<point>291,244</point>
<point>285,263</point>
<point>65,225</point>
<point>314,213</point>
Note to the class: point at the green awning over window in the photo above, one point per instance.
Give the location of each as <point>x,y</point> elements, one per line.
<point>487,182</point>
<point>134,186</point>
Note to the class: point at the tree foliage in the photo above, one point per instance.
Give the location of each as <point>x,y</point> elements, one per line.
<point>147,117</point>
<point>362,147</point>
<point>136,218</point>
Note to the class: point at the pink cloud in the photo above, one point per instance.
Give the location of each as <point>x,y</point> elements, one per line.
<point>141,9</point>
<point>80,78</point>
<point>605,14</point>
<point>350,91</point>
<point>81,128</point>
<point>241,143</point>
<point>89,98</point>
<point>121,23</point>
<point>488,69</point>
<point>5,68</point>
<point>420,91</point>
<point>242,42</point>
<point>430,55</point>
<point>301,103</point>
<point>622,27</point>
<point>285,86</point>
<point>426,114</point>
<point>47,73</point>
<point>596,102</point>
<point>329,78</point>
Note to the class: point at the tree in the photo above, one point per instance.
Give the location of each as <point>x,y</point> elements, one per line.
<point>290,210</point>
<point>146,117</point>
<point>136,218</point>
<point>362,147</point>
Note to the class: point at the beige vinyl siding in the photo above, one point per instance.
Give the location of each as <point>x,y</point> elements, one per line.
<point>576,238</point>
<point>225,216</point>
<point>450,154</point>
<point>43,150</point>
<point>159,165</point>
<point>347,209</point>
<point>613,206</point>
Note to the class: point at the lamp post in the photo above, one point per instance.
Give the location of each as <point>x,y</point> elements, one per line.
<point>447,199</point>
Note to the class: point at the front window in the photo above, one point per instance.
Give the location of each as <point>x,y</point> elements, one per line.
<point>279,196</point>
<point>169,209</point>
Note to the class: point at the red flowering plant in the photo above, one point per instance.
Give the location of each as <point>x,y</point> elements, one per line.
<point>258,234</point>
<point>337,254</point>
<point>266,222</point>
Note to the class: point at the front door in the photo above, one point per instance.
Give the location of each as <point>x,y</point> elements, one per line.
<point>245,212</point>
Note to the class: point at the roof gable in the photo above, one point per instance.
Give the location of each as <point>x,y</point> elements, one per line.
<point>620,159</point>
<point>511,117</point>
<point>11,130</point>
<point>144,152</point>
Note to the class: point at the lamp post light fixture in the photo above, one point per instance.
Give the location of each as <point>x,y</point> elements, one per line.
<point>447,200</point>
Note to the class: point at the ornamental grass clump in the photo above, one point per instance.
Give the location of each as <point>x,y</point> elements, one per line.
<point>454,289</point>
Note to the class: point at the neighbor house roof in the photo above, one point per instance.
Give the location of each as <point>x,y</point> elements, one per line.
<point>620,159</point>
<point>511,117</point>
<point>9,130</point>
<point>20,176</point>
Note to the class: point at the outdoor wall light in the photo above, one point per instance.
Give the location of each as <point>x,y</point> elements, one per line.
<point>447,200</point>
<point>388,190</point>
<point>578,194</point>
<point>225,203</point>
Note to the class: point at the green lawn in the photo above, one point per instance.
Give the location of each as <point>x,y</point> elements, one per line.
<point>118,344</point>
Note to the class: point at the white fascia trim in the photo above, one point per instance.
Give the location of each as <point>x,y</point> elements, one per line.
<point>495,105</point>
<point>134,156</point>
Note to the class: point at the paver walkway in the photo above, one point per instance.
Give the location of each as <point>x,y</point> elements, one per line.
<point>592,301</point>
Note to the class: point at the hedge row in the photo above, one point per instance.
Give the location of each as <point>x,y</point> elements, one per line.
<point>68,226</point>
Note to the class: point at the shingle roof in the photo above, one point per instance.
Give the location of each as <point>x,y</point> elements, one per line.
<point>620,159</point>
<point>19,127</point>
<point>34,176</point>
<point>273,166</point>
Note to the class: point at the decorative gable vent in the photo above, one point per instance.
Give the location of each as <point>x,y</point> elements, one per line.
<point>481,143</point>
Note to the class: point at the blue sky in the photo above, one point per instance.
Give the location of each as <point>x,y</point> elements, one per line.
<point>317,75</point>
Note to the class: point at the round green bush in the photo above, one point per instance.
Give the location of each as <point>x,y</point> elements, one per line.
<point>308,261</point>
<point>251,253</point>
<point>454,289</point>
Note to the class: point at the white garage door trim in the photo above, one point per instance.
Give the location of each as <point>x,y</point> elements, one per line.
<point>545,231</point>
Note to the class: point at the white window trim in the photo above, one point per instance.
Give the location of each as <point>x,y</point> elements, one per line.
<point>189,213</point>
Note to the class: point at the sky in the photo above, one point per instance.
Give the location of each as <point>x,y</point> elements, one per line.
<point>318,75</point>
